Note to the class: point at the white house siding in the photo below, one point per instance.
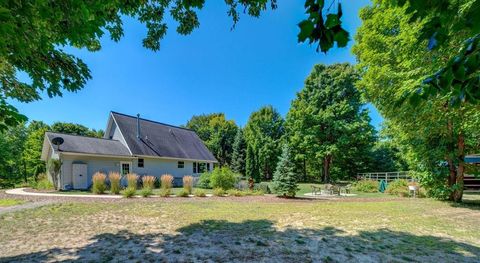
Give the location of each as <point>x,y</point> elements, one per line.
<point>152,166</point>
<point>158,167</point>
<point>116,135</point>
<point>94,164</point>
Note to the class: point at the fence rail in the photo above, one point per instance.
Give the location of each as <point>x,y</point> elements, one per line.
<point>387,176</point>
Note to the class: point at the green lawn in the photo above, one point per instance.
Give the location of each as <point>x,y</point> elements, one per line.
<point>10,202</point>
<point>264,229</point>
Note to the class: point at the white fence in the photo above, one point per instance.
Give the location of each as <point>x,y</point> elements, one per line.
<point>387,176</point>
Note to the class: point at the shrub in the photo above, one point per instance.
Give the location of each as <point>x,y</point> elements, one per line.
<point>218,192</point>
<point>366,186</point>
<point>235,192</point>
<point>165,192</point>
<point>262,187</point>
<point>148,181</point>
<point>114,179</point>
<point>129,192</point>
<point>182,193</point>
<point>188,183</point>
<point>242,185</point>
<point>199,193</point>
<point>223,178</point>
<point>398,187</point>
<point>204,180</point>
<point>99,185</point>
<point>166,181</point>
<point>146,192</point>
<point>43,183</point>
<point>132,180</point>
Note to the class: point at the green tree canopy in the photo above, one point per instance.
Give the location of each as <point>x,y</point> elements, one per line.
<point>263,133</point>
<point>217,133</point>
<point>75,129</point>
<point>239,152</point>
<point>326,125</point>
<point>430,132</point>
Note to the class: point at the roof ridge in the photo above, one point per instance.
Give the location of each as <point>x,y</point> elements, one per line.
<point>157,122</point>
<point>90,137</point>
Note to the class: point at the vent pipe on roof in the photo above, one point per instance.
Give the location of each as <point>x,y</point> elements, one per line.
<point>138,125</point>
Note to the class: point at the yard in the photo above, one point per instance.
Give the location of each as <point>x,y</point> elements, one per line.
<point>251,228</point>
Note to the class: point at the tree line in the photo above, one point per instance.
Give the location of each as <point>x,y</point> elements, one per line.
<point>21,148</point>
<point>327,130</point>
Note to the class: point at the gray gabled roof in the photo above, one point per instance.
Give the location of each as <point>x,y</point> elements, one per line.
<point>88,145</point>
<point>161,140</point>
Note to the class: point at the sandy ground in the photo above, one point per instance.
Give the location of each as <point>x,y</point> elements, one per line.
<point>239,229</point>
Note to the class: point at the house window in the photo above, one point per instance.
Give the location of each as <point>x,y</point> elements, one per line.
<point>180,164</point>
<point>194,167</point>
<point>201,167</point>
<point>124,168</point>
<point>208,166</point>
<point>140,162</point>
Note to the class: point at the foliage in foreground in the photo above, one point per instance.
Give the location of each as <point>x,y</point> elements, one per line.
<point>223,178</point>
<point>398,187</point>
<point>366,186</point>
<point>199,193</point>
<point>114,178</point>
<point>284,178</point>
<point>188,183</point>
<point>129,192</point>
<point>166,181</point>
<point>42,183</point>
<point>99,186</point>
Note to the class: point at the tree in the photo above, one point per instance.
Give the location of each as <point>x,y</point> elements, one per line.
<point>262,135</point>
<point>284,178</point>
<point>239,153</point>
<point>251,165</point>
<point>75,129</point>
<point>217,133</point>
<point>33,148</point>
<point>12,163</point>
<point>433,132</point>
<point>326,123</point>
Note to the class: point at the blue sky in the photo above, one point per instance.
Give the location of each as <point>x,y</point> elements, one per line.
<point>212,70</point>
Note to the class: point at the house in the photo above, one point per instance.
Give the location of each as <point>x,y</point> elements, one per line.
<point>130,145</point>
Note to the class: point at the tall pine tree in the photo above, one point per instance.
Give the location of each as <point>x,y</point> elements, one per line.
<point>284,178</point>
<point>239,153</point>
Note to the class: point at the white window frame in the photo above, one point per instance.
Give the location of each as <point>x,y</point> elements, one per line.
<point>129,167</point>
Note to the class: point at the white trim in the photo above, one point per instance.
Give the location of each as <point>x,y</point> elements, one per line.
<point>121,134</point>
<point>175,158</point>
<point>98,155</point>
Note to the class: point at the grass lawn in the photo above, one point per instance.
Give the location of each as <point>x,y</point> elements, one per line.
<point>10,202</point>
<point>243,229</point>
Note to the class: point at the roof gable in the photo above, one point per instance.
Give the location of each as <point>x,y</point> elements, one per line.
<point>161,140</point>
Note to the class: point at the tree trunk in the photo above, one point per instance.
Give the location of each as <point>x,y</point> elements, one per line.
<point>326,168</point>
<point>458,193</point>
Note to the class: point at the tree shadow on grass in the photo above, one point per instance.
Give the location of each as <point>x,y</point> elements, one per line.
<point>259,240</point>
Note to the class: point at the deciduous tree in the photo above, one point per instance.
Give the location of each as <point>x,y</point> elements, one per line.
<point>263,132</point>
<point>327,125</point>
<point>217,133</point>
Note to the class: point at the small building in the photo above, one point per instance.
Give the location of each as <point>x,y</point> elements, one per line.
<point>130,145</point>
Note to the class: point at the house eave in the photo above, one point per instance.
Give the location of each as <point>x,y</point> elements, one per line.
<point>176,158</point>
<point>97,155</point>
